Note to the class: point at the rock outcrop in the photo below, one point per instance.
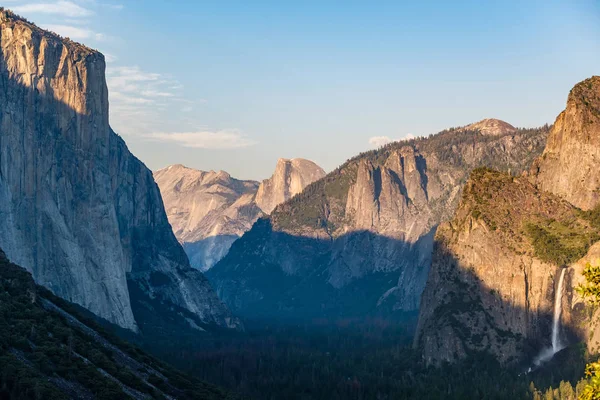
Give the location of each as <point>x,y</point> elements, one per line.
<point>210,210</point>
<point>489,289</point>
<point>492,127</point>
<point>569,164</point>
<point>359,241</point>
<point>289,179</point>
<point>494,277</point>
<point>207,210</point>
<point>78,210</point>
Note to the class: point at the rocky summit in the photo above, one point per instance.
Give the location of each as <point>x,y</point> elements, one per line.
<point>359,241</point>
<point>210,210</point>
<point>491,126</point>
<point>78,210</point>
<point>505,268</point>
<point>569,165</point>
<point>289,179</point>
<point>207,210</point>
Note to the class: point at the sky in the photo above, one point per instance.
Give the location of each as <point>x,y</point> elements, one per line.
<point>235,85</point>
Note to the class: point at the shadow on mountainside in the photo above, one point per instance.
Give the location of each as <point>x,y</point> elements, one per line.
<point>271,274</point>
<point>205,253</point>
<point>79,211</point>
<point>367,358</point>
<point>463,317</point>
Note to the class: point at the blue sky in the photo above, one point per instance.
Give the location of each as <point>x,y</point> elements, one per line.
<point>235,85</point>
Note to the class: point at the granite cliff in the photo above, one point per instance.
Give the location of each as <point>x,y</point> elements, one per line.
<point>289,179</point>
<point>359,241</point>
<point>210,210</point>
<point>78,210</point>
<point>569,164</point>
<point>494,281</point>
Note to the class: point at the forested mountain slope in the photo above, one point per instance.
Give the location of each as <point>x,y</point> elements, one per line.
<point>359,241</point>
<point>48,350</point>
<point>506,267</point>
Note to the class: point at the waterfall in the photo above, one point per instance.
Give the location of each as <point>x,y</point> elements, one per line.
<point>556,344</point>
<point>547,353</point>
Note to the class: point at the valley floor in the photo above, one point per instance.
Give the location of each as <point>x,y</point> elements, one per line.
<point>355,361</point>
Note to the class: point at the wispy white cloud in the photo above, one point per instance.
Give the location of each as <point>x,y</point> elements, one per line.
<point>130,78</point>
<point>110,58</point>
<point>156,93</point>
<point>224,139</point>
<point>379,141</point>
<point>62,7</point>
<point>72,32</point>
<point>119,97</point>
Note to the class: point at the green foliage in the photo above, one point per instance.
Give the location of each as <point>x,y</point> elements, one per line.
<point>43,355</point>
<point>558,242</point>
<point>593,216</point>
<point>591,290</point>
<point>592,389</point>
<point>313,207</point>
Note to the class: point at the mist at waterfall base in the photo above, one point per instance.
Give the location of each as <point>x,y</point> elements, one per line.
<point>557,345</point>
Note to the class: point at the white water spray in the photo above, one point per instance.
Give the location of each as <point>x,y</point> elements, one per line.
<point>556,344</point>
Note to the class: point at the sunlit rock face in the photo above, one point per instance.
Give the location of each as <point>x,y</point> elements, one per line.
<point>289,179</point>
<point>488,288</point>
<point>210,210</point>
<point>492,127</point>
<point>359,241</point>
<point>78,209</point>
<point>207,210</point>
<point>569,165</point>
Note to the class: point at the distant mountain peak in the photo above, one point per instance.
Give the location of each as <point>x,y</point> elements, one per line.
<point>491,127</point>
<point>208,210</point>
<point>290,178</point>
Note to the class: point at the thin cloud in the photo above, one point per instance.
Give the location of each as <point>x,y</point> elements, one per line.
<point>379,141</point>
<point>130,78</point>
<point>65,8</point>
<point>128,99</point>
<point>110,58</point>
<point>72,32</point>
<point>156,93</point>
<point>224,139</point>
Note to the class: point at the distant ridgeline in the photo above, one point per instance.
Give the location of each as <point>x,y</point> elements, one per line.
<point>359,241</point>
<point>210,210</point>
<point>506,266</point>
<point>48,350</point>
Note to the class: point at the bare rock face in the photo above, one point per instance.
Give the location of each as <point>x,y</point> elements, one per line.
<point>289,179</point>
<point>207,210</point>
<point>569,165</point>
<point>493,284</point>
<point>359,241</point>
<point>78,210</point>
<point>210,210</point>
<point>492,127</point>
<point>488,290</point>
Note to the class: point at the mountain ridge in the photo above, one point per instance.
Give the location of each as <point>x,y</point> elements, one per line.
<point>510,241</point>
<point>354,225</point>
<point>209,210</point>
